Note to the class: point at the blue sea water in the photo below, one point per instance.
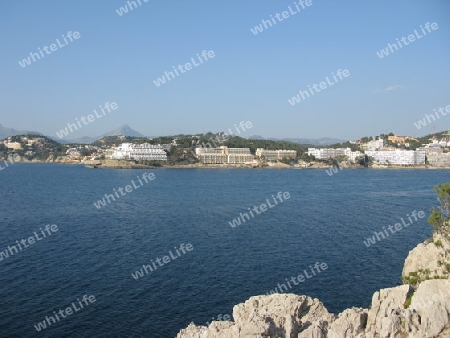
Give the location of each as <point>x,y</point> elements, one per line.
<point>95,250</point>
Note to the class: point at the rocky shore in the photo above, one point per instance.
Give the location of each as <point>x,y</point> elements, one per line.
<point>124,164</point>
<point>419,308</point>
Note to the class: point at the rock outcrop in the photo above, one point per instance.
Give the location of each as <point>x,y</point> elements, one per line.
<point>403,311</point>
<point>428,260</point>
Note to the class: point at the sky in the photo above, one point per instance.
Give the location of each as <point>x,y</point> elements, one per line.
<point>251,77</point>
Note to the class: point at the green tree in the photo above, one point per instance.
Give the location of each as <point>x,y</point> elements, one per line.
<point>440,216</point>
<point>364,160</point>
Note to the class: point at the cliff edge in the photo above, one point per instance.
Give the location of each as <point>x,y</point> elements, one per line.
<point>402,311</point>
<point>419,308</point>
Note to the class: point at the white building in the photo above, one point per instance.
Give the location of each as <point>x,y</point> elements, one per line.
<point>352,155</point>
<point>397,157</point>
<point>13,145</point>
<point>431,149</point>
<point>224,155</point>
<point>274,155</point>
<point>325,153</point>
<point>129,151</point>
<point>373,145</point>
<point>439,160</point>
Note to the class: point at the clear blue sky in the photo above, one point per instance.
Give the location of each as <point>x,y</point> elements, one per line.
<point>250,79</point>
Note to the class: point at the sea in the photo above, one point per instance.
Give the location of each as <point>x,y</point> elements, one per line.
<point>97,250</point>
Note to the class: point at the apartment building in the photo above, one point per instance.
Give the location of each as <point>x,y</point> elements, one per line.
<point>431,149</point>
<point>224,155</point>
<point>129,151</point>
<point>397,157</point>
<point>13,145</point>
<point>326,153</point>
<point>373,145</point>
<point>439,160</point>
<point>274,155</point>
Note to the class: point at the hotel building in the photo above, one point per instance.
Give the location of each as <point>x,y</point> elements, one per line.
<point>439,160</point>
<point>224,155</point>
<point>397,157</point>
<point>274,155</point>
<point>326,153</point>
<point>373,145</point>
<point>129,151</point>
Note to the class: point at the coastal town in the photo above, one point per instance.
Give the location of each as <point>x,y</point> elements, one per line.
<point>206,150</point>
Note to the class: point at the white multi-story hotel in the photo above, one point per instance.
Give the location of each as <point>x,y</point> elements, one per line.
<point>373,145</point>
<point>397,157</point>
<point>325,153</point>
<point>431,149</point>
<point>224,155</point>
<point>274,155</point>
<point>129,151</point>
<point>439,160</point>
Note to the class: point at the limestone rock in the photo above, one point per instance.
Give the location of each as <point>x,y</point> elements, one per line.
<point>382,316</point>
<point>431,301</point>
<point>428,259</point>
<point>193,331</point>
<point>397,312</point>
<point>349,323</point>
<point>277,315</point>
<point>285,315</point>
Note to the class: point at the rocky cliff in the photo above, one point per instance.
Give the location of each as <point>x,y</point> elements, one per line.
<point>419,310</point>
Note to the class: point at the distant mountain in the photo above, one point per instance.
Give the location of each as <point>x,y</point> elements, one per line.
<point>80,140</point>
<point>124,130</point>
<point>6,132</point>
<point>256,137</point>
<point>324,141</point>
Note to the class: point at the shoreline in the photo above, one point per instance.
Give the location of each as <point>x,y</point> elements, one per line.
<point>120,164</point>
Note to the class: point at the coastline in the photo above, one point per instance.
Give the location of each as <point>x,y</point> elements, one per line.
<point>122,164</point>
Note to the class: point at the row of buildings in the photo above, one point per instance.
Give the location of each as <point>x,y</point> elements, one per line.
<point>139,152</point>
<point>225,155</point>
<point>397,157</point>
<point>326,153</point>
<point>432,153</point>
<point>219,155</point>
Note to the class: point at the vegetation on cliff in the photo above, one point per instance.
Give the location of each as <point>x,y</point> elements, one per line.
<point>436,251</point>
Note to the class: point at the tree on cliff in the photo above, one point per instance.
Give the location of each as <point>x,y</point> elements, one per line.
<point>440,216</point>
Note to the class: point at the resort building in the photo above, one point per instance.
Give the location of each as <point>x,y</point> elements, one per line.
<point>439,160</point>
<point>373,145</point>
<point>224,155</point>
<point>326,153</point>
<point>431,149</point>
<point>397,157</point>
<point>13,145</point>
<point>129,151</point>
<point>401,139</point>
<point>274,155</point>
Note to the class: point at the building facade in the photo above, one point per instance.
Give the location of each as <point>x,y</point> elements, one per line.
<point>373,145</point>
<point>274,155</point>
<point>439,160</point>
<point>224,155</point>
<point>401,139</point>
<point>397,157</point>
<point>326,153</point>
<point>129,151</point>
